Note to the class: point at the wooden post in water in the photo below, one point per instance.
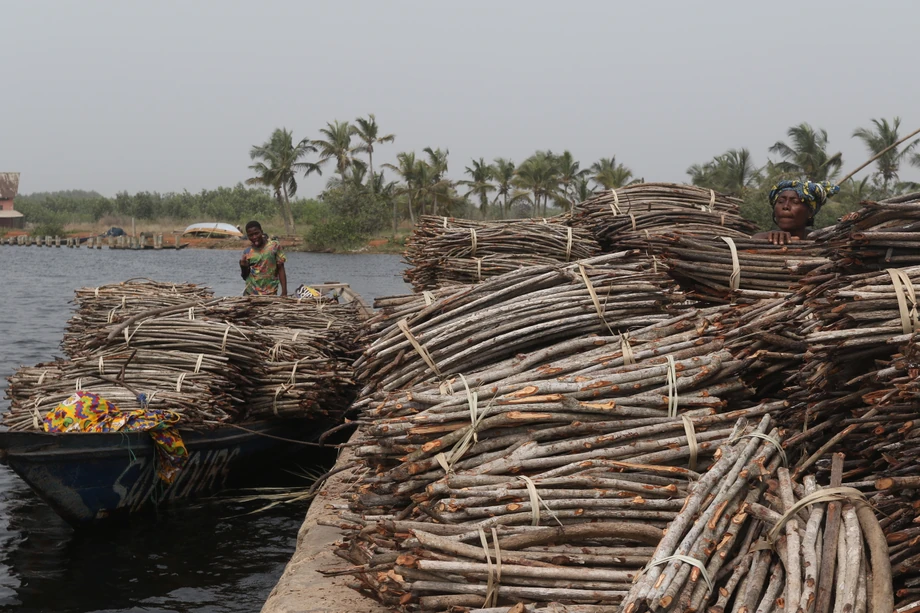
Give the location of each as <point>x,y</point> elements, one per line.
<point>57,242</point>
<point>157,241</point>
<point>47,241</point>
<point>177,241</point>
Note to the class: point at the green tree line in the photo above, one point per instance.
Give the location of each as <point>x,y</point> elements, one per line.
<point>360,198</point>
<point>232,204</point>
<point>548,182</point>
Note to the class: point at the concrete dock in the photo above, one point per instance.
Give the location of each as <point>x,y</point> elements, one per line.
<point>302,588</point>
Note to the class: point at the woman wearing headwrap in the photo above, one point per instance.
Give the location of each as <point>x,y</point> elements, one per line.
<point>795,204</point>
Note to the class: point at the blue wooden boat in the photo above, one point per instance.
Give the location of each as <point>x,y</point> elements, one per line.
<point>87,477</point>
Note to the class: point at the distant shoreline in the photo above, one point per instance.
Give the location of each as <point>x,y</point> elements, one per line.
<point>373,246</point>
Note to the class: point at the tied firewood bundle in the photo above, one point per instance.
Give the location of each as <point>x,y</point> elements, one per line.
<point>525,424</point>
<point>852,320</point>
<point>879,235</point>
<point>200,388</point>
<point>519,311</point>
<point>340,323</point>
<point>443,252</point>
<point>389,309</point>
<point>746,541</point>
<point>764,334</point>
<point>143,288</point>
<point>304,373</point>
<point>681,336</point>
<point>647,209</point>
<point>100,306</point>
<point>565,508</point>
<point>724,269</point>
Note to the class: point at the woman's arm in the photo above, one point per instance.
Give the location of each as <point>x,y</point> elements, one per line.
<point>282,276</point>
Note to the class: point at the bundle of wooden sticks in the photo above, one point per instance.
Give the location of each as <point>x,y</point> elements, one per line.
<point>643,210</point>
<point>444,251</point>
<point>877,236</point>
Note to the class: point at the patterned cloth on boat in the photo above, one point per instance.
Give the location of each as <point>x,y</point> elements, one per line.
<point>87,412</point>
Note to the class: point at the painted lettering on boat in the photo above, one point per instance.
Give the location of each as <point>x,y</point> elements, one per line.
<point>205,471</point>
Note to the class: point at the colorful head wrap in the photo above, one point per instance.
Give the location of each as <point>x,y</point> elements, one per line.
<point>812,193</point>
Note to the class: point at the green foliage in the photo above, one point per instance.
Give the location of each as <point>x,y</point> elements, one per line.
<point>47,229</point>
<point>351,212</point>
<point>235,205</point>
<point>309,211</point>
<point>335,233</point>
<point>365,211</point>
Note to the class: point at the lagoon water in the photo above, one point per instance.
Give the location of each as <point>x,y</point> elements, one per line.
<point>216,556</point>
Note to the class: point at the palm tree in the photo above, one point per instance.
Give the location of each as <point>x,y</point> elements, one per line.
<point>732,172</point>
<point>352,178</point>
<point>433,189</point>
<point>807,155</point>
<point>568,173</point>
<point>480,175</point>
<point>610,175</point>
<point>367,131</point>
<point>581,190</point>
<point>407,171</point>
<point>539,175</point>
<point>437,159</point>
<point>877,140</point>
<point>337,145</point>
<point>278,167</point>
<point>503,174</point>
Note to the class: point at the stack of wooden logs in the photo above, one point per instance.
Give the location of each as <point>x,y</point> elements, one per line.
<point>444,251</point>
<point>619,217</point>
<point>98,307</point>
<point>518,311</point>
<point>879,235</point>
<point>579,430</point>
<point>209,360</point>
<point>566,502</point>
<point>199,391</point>
<point>722,269</point>
<point>446,455</point>
<point>797,547</point>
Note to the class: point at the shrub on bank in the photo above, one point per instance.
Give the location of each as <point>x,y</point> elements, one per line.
<point>335,233</point>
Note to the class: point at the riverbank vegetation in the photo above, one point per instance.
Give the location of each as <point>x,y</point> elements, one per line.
<point>361,201</point>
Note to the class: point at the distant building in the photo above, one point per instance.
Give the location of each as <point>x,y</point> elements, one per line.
<point>9,187</point>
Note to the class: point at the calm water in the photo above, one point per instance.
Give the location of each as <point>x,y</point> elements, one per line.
<point>209,558</point>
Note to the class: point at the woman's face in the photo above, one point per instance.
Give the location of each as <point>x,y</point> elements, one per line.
<point>791,212</point>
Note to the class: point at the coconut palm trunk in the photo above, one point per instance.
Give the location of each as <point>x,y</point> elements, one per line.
<point>287,214</point>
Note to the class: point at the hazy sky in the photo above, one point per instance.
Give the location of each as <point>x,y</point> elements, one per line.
<point>170,95</point>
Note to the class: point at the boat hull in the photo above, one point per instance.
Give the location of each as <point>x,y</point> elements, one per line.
<point>88,477</point>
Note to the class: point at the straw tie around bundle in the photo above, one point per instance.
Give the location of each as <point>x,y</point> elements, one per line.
<point>904,289</point>
<point>734,281</point>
